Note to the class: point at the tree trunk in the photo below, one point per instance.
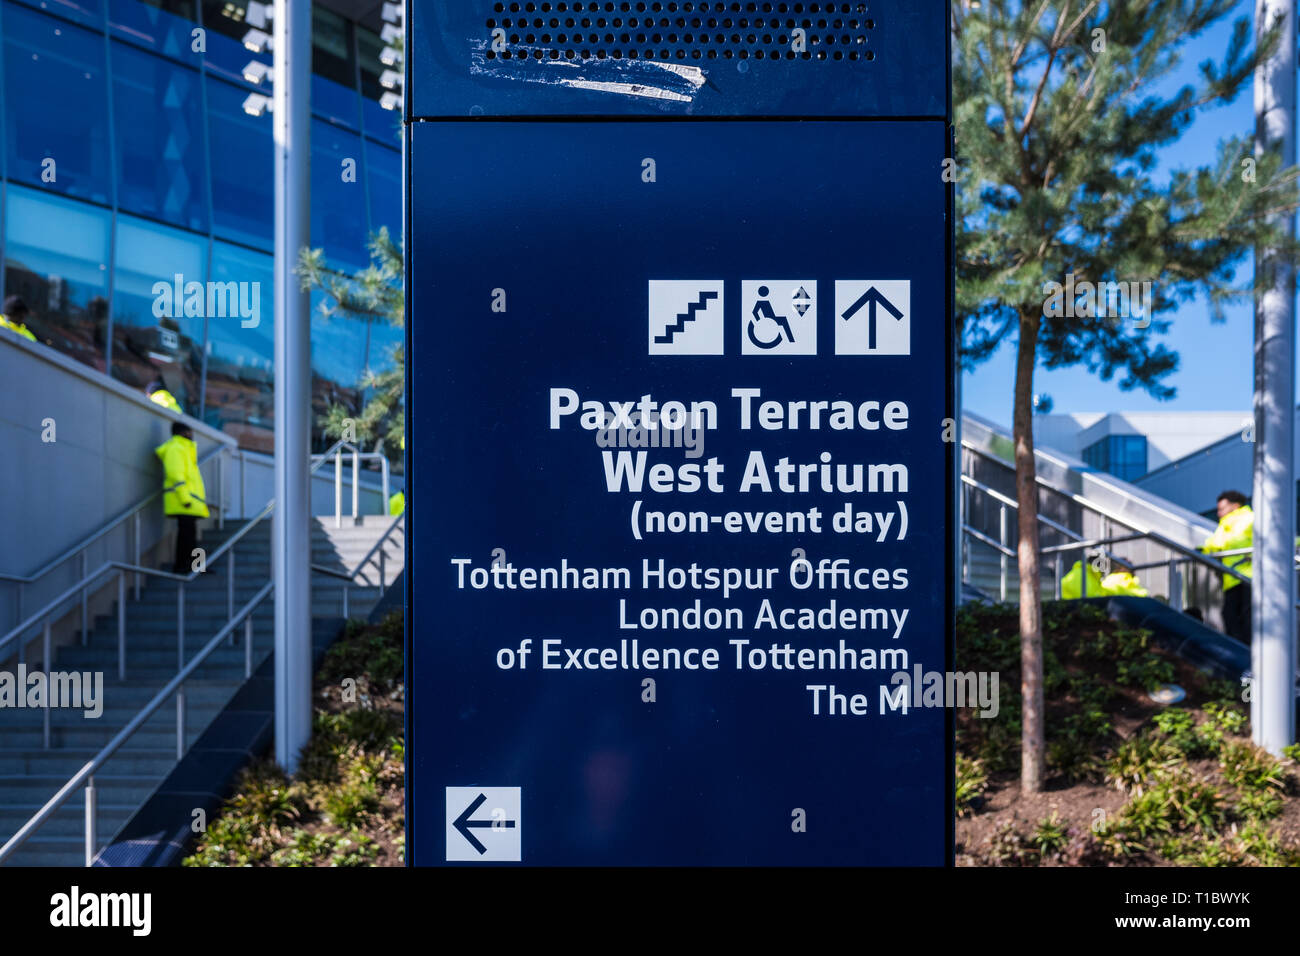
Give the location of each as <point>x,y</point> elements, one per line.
<point>1032,732</point>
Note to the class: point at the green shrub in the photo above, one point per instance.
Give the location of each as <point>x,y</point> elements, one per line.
<point>356,849</point>
<point>1246,766</point>
<point>1257,805</point>
<point>1139,759</point>
<point>1178,727</point>
<point>1051,835</point>
<point>971,783</point>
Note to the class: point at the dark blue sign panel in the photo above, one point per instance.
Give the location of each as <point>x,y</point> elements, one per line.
<point>680,545</point>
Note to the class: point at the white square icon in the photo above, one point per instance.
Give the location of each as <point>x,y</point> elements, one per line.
<point>686,317</point>
<point>778,317</point>
<point>484,824</point>
<point>873,317</point>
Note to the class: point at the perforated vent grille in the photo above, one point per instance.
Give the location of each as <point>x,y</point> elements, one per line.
<point>600,29</point>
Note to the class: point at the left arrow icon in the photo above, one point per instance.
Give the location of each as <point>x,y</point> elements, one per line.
<point>465,825</point>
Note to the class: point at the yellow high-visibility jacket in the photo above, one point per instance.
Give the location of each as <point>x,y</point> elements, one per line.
<point>1072,583</point>
<point>1122,582</point>
<point>397,504</point>
<point>1236,530</point>
<point>167,400</point>
<point>8,323</point>
<point>180,461</point>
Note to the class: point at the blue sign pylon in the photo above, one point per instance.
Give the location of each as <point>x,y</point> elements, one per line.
<point>678,548</point>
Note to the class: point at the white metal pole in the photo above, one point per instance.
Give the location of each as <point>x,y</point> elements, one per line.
<point>1273,632</point>
<point>290,555</point>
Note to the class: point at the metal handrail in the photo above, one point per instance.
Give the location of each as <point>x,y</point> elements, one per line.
<point>94,536</point>
<point>1154,536</point>
<point>357,456</point>
<point>348,577</point>
<point>174,686</point>
<point>99,572</point>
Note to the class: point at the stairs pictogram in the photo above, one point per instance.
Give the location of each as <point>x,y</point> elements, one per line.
<point>673,330</point>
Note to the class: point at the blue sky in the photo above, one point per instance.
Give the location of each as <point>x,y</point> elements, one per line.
<point>1216,369</point>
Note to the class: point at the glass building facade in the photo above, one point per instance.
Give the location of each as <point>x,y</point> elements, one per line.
<point>1124,456</point>
<point>131,157</point>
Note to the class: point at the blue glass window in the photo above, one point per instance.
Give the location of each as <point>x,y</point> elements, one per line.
<point>159,301</point>
<point>384,126</point>
<point>385,340</point>
<point>334,78</point>
<point>243,167</point>
<point>89,12</point>
<point>239,396</point>
<point>384,180</point>
<point>56,106</point>
<point>57,260</point>
<point>161,166</point>
<point>162,25</point>
<point>338,364</point>
<point>1124,456</point>
<point>237,34</point>
<point>338,207</point>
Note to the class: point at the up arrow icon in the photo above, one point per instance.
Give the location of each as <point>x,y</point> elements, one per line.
<point>863,300</point>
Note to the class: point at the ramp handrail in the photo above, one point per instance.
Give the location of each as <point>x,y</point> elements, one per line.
<point>1180,554</point>
<point>176,685</point>
<point>349,576</point>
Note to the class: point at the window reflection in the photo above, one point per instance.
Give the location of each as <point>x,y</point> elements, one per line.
<point>157,316</point>
<point>162,25</point>
<point>240,385</point>
<point>380,124</point>
<point>51,62</point>
<point>384,180</point>
<point>338,362</point>
<point>338,206</point>
<point>231,42</point>
<point>159,138</point>
<point>242,163</point>
<point>57,260</point>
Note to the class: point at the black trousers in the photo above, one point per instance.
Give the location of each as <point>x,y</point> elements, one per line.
<point>1236,612</point>
<point>187,536</point>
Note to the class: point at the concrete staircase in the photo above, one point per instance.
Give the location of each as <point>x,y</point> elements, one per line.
<point>30,775</point>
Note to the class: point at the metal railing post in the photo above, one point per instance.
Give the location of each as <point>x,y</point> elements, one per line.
<point>91,839</point>
<point>356,479</point>
<point>85,632</point>
<point>180,721</point>
<point>180,624</point>
<point>221,491</point>
<point>1059,565</point>
<point>45,663</point>
<point>346,615</point>
<point>243,505</point>
<point>230,590</point>
<point>248,646</point>
<point>1002,557</point>
<point>338,487</point>
<point>1175,586</point>
<point>1083,574</point>
<point>136,561</point>
<point>121,625</point>
<point>383,576</point>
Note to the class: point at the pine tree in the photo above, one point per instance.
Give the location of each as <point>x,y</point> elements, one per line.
<point>1059,115</point>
